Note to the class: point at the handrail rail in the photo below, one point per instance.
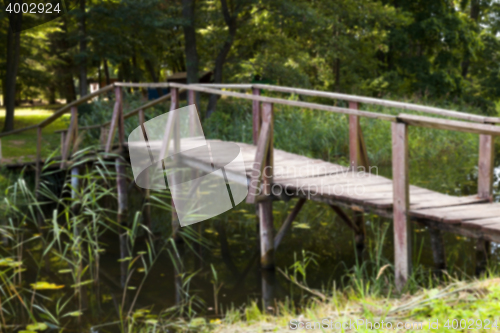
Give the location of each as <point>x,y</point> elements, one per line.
<point>60,112</point>
<point>207,88</point>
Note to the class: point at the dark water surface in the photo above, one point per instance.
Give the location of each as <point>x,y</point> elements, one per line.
<point>227,257</point>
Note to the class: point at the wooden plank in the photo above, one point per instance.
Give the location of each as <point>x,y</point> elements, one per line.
<point>255,117</point>
<point>288,222</point>
<point>438,201</point>
<point>272,100</point>
<point>383,102</point>
<point>401,207</point>
<point>485,167</point>
<point>452,125</point>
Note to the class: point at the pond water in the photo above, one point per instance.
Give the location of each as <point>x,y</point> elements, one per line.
<point>217,267</point>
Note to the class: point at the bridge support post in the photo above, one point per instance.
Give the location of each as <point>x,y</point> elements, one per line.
<point>438,252</point>
<point>485,191</point>
<point>358,158</point>
<point>255,136</point>
<point>401,197</point>
<point>483,249</point>
<point>121,188</point>
<point>173,106</point>
<point>265,207</point>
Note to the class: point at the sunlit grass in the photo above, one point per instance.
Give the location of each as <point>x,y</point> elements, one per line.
<point>21,147</point>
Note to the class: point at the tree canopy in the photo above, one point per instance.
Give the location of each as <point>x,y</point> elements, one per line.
<point>439,49</point>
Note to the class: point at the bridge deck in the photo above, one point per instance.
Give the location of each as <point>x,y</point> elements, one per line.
<point>314,179</point>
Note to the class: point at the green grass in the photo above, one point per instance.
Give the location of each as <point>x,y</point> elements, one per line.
<point>22,146</point>
<point>472,302</point>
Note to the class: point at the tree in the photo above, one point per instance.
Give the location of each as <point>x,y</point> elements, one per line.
<point>240,9</point>
<point>188,14</point>
<point>12,65</point>
<point>83,49</point>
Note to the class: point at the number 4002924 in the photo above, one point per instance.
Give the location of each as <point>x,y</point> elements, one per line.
<point>33,8</point>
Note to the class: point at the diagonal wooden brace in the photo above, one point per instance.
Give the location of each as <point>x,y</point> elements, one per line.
<point>343,216</point>
<point>288,222</point>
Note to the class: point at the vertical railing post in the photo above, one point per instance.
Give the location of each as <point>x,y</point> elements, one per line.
<point>63,137</point>
<point>147,192</point>
<point>117,121</point>
<point>358,158</point>
<point>265,207</point>
<point>38,158</point>
<point>485,167</point>
<point>193,117</point>
<point>174,106</point>
<point>255,116</point>
<point>401,197</point>
<point>121,120</point>
<point>69,137</point>
<point>122,216</point>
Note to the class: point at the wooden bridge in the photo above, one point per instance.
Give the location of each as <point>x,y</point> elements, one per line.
<point>273,174</point>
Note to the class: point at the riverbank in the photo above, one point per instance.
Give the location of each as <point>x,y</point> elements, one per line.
<point>458,305</point>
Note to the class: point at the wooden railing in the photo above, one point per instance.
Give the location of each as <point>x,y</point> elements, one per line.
<point>262,134</point>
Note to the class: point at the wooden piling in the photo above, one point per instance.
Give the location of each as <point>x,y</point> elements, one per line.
<point>438,251</point>
<point>483,250</point>
<point>484,190</point>
<point>174,106</point>
<point>38,170</point>
<point>122,214</point>
<point>402,227</point>
<point>358,158</point>
<point>266,206</point>
<point>146,209</point>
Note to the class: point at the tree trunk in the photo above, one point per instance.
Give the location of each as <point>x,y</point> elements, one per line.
<point>222,56</point>
<point>190,41</point>
<point>12,63</point>
<point>337,75</point>
<point>150,68</point>
<point>83,51</point>
<point>106,71</point>
<point>474,15</point>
